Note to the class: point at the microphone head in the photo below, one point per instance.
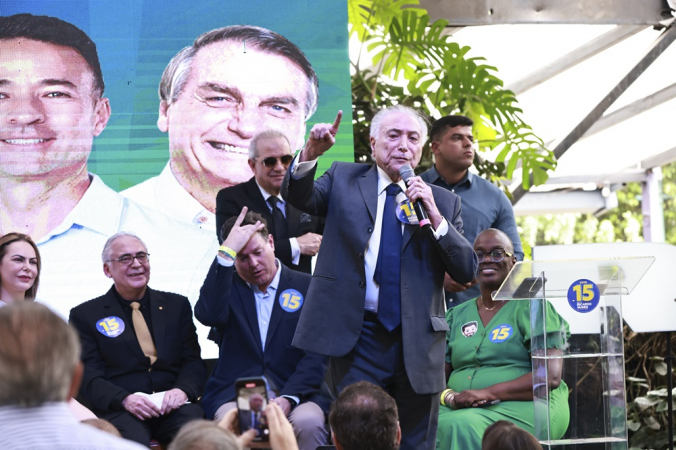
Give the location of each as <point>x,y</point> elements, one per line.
<point>406,172</point>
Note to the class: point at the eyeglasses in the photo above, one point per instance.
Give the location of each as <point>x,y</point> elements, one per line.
<point>126,260</point>
<point>496,255</point>
<point>271,161</point>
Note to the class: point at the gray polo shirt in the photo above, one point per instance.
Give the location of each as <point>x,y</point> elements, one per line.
<point>483,206</point>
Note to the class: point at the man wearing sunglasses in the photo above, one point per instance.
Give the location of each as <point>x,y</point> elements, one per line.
<point>297,235</point>
<point>139,340</point>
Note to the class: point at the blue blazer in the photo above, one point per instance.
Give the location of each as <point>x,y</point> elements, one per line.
<point>332,319</point>
<point>227,303</point>
<point>115,367</point>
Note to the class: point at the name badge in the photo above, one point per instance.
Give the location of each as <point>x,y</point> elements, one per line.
<point>111,326</point>
<point>291,300</point>
<point>500,333</point>
<point>405,211</point>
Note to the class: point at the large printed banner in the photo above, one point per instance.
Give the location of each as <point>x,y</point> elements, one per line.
<point>76,169</point>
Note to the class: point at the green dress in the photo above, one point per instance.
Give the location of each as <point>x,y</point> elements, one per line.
<point>484,356</point>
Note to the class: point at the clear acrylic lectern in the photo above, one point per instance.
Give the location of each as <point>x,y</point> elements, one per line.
<point>587,293</point>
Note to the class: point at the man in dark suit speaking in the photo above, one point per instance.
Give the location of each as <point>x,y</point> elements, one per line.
<point>135,341</point>
<point>254,303</point>
<point>296,234</point>
<point>376,300</point>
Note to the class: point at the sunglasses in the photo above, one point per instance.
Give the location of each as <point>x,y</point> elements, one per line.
<point>271,161</point>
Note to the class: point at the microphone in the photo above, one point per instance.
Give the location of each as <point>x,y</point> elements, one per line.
<point>406,172</point>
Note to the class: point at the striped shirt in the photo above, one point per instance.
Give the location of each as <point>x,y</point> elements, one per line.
<point>52,426</point>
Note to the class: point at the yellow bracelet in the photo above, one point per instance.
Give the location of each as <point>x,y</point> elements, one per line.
<point>228,251</point>
<point>443,395</point>
<point>447,397</point>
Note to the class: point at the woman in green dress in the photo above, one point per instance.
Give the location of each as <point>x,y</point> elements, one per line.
<point>488,357</point>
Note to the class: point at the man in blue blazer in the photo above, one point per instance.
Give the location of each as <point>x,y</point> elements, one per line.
<point>254,302</point>
<point>381,318</point>
<point>139,340</point>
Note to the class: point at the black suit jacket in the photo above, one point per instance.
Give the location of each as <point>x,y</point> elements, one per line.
<point>227,303</point>
<point>115,367</point>
<point>332,319</point>
<point>231,200</point>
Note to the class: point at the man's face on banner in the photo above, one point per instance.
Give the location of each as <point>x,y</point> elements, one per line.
<point>49,113</point>
<point>232,93</point>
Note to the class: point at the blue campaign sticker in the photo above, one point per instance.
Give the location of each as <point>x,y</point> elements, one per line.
<point>500,333</point>
<point>583,296</point>
<point>290,300</point>
<point>111,326</point>
<point>406,213</point>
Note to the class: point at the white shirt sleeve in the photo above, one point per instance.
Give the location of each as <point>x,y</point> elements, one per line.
<point>442,230</point>
<point>300,169</point>
<point>225,262</point>
<point>295,250</point>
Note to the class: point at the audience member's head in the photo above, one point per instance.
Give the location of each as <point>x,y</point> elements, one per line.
<point>504,435</point>
<point>364,417</point>
<point>39,356</point>
<point>204,435</point>
<point>19,267</point>
<point>103,425</point>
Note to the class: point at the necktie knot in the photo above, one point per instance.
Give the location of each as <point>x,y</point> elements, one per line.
<point>393,189</point>
<point>273,200</point>
<point>135,306</point>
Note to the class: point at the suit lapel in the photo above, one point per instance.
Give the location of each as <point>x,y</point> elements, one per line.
<point>158,316</point>
<point>409,231</point>
<point>277,311</point>
<point>112,307</point>
<point>248,300</point>
<point>258,203</point>
<point>368,186</point>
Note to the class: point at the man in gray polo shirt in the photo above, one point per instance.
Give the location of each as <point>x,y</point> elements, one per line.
<point>483,204</point>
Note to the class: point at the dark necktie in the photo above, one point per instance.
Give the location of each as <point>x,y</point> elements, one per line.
<point>279,229</point>
<point>388,267</point>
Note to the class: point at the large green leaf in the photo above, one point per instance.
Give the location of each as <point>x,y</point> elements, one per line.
<point>366,15</point>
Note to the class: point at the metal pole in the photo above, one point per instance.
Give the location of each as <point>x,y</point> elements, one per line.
<point>655,50</point>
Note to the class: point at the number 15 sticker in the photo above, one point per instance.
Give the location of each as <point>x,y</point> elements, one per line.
<point>290,300</point>
<point>583,296</point>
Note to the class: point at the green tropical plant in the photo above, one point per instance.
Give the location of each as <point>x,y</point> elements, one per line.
<point>415,63</point>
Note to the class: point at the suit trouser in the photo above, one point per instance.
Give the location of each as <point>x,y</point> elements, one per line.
<point>309,424</point>
<point>162,428</point>
<point>378,358</point>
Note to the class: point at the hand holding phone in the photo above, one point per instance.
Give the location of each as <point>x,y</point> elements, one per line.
<point>252,399</point>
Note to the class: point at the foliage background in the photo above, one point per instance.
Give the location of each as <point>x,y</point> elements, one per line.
<point>413,62</point>
<point>402,58</point>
